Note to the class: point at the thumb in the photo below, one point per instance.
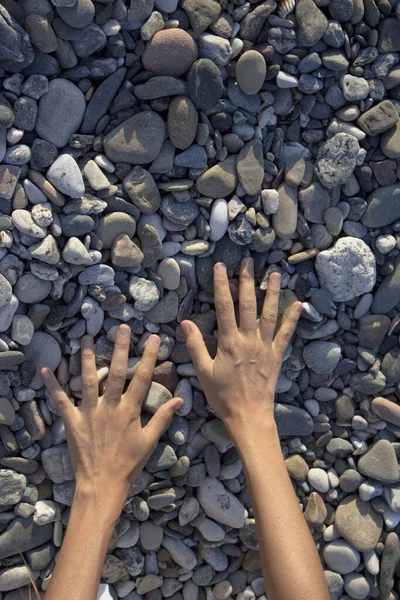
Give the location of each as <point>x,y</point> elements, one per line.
<point>162,418</point>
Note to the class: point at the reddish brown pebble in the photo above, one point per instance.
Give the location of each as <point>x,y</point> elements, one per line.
<point>170,52</point>
<point>302,256</point>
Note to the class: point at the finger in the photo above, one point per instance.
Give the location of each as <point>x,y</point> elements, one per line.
<point>162,418</point>
<point>57,394</point>
<point>269,313</point>
<point>223,302</point>
<point>90,385</point>
<point>119,365</point>
<point>196,347</point>
<point>142,379</point>
<point>287,328</point>
<point>247,296</point>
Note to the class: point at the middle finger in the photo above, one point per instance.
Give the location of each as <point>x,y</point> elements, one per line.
<point>119,365</point>
<point>247,297</point>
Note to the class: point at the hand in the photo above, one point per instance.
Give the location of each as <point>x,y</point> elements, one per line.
<point>240,382</point>
<point>107,444</point>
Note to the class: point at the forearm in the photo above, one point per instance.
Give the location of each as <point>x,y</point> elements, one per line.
<point>290,562</point>
<point>91,524</point>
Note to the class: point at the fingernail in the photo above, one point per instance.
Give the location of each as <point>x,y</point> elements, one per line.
<point>185,327</point>
<point>299,307</point>
<point>124,329</point>
<point>153,340</point>
<point>86,341</point>
<point>220,268</point>
<point>45,373</point>
<point>178,403</point>
<point>248,264</point>
<point>275,276</point>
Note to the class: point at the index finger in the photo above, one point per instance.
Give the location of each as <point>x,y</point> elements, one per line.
<point>223,302</point>
<point>140,383</point>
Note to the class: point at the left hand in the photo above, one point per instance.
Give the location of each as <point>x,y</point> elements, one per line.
<point>107,444</point>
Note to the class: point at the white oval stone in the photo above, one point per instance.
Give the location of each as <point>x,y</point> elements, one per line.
<point>219,219</point>
<point>341,557</point>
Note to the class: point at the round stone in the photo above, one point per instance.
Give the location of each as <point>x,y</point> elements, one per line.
<point>113,225</point>
<point>170,52</point>
<point>43,351</point>
<point>61,111</point>
<point>341,557</point>
<point>250,72</point>
<point>31,289</point>
<point>322,357</point>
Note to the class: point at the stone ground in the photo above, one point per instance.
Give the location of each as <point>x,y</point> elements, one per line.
<point>138,146</point>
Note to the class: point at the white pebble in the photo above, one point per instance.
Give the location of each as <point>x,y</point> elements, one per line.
<point>319,480</point>
<point>371,562</point>
<point>103,162</point>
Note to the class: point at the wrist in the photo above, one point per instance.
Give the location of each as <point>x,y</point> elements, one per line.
<point>104,500</point>
<point>243,425</point>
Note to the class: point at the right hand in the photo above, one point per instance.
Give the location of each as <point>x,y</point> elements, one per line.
<point>240,382</point>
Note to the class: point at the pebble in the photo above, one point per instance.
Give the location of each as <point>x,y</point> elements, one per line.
<point>170,52</point>
<point>66,176</point>
<point>341,557</point>
<point>331,267</point>
<point>60,112</point>
<point>358,523</point>
<point>250,72</point>
<point>137,140</point>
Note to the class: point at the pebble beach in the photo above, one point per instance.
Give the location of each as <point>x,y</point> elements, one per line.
<point>140,143</point>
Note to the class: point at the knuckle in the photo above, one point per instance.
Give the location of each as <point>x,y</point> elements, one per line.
<point>89,381</point>
<point>118,376</point>
<point>269,318</point>
<point>224,306</point>
<point>247,306</point>
<point>286,336</point>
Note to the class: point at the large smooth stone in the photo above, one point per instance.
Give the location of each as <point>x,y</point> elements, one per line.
<point>137,140</point>
<point>61,111</point>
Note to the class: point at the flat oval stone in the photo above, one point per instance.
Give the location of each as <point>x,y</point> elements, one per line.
<point>284,221</point>
<point>383,206</point>
<point>43,351</point>
<point>79,14</point>
<point>182,122</point>
<point>219,504</point>
<point>60,113</point>
<point>170,52</point>
<point>250,72</point>
<point>204,83</point>
<point>137,140</point>
<point>387,410</point>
